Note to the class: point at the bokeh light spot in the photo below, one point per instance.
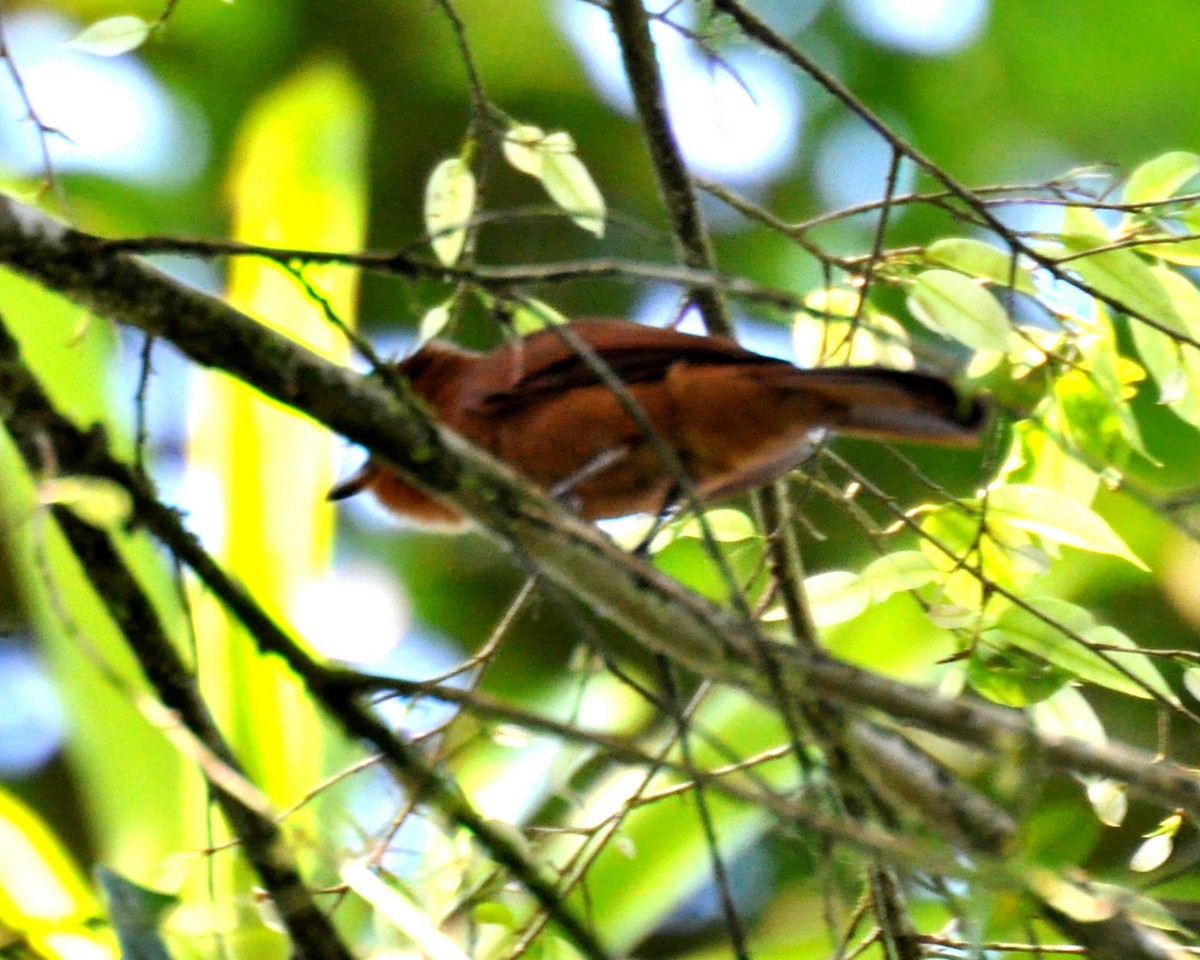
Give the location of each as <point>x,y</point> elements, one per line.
<point>929,27</point>
<point>737,116</point>
<point>32,723</point>
<point>115,117</point>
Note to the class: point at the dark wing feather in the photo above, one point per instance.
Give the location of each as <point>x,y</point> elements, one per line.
<point>874,401</point>
<point>544,363</point>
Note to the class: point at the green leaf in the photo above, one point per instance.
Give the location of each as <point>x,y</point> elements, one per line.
<point>523,149</point>
<point>1056,517</point>
<point>434,321</point>
<point>496,913</point>
<point>978,259</point>
<point>954,306</point>
<point>551,158</point>
<point>1123,276</point>
<point>1160,178</point>
<point>1084,222</point>
<point>726,525</point>
<point>1186,253</point>
<point>1191,682</point>
<point>1092,395</point>
<point>1067,714</point>
<point>902,570</point>
<point>111,37</point>
<point>532,315</point>
<point>1063,642</point>
<point>833,338</point>
<point>570,186</point>
<point>688,559</point>
<point>835,597</point>
<point>1175,367</point>
<point>449,203</point>
<point>955,538</point>
<point>136,913</point>
<point>1038,457</point>
<point>1135,662</point>
<point>1013,677</point>
<point>951,616</point>
<point>96,500</point>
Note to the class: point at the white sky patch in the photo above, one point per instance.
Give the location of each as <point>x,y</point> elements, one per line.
<point>738,118</point>
<point>357,615</point>
<point>930,27</point>
<point>119,119</point>
<point>32,723</point>
<point>852,165</point>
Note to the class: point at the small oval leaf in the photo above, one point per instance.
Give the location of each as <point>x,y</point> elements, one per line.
<point>1066,713</point>
<point>951,616</point>
<point>570,186</point>
<point>835,597</point>
<point>833,339</point>
<point>1185,252</point>
<point>1109,800</point>
<point>1152,854</point>
<point>449,203</point>
<point>523,148</point>
<point>433,322</point>
<point>532,315</point>
<point>96,500</point>
<point>726,525</point>
<point>1123,276</point>
<point>498,914</point>
<point>111,37</point>
<point>1174,367</point>
<point>902,570</point>
<point>955,306</point>
<point>978,259</point>
<point>1191,681</point>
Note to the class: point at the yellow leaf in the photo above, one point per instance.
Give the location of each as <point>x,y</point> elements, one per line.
<point>97,500</point>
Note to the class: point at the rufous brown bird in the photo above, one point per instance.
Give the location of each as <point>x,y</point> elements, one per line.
<point>735,419</point>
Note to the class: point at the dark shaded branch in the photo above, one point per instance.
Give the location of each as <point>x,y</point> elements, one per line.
<point>759,31</point>
<point>648,605</point>
<point>28,421</point>
<point>32,421</point>
<point>498,279</point>
<point>310,930</point>
<point>674,184</point>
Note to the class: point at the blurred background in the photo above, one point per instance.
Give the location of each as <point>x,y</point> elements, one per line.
<point>163,141</point>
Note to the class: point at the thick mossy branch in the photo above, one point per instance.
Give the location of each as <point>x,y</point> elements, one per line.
<point>651,607</point>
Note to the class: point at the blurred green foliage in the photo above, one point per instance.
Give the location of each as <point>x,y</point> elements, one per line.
<point>1039,92</point>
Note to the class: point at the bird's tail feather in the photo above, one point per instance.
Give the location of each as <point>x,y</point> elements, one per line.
<point>893,405</point>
